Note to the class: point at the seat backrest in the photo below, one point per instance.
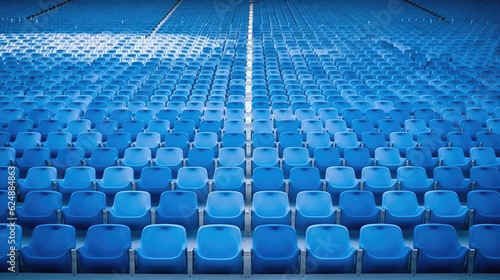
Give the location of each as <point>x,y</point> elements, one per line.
<point>328,241</point>
<point>484,202</point>
<point>341,176</point>
<point>192,176</point>
<point>86,203</point>
<point>442,202</point>
<point>357,202</point>
<point>484,238</point>
<point>178,203</point>
<point>305,177</point>
<point>486,177</point>
<point>40,203</point>
<point>131,203</point>
<point>108,240</point>
<point>117,176</point>
<point>219,241</point>
<point>273,203</point>
<point>103,156</point>
<point>449,176</point>
<point>400,202</point>
<point>52,240</point>
<point>163,241</point>
<point>382,240</point>
<point>41,176</point>
<point>274,241</point>
<point>436,239</point>
<point>377,176</point>
<point>268,177</point>
<point>413,176</point>
<point>155,176</point>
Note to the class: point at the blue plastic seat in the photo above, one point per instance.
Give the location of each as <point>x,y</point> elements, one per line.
<point>483,239</point>
<point>39,178</point>
<point>326,157</point>
<point>389,157</point>
<point>441,126</point>
<point>317,140</point>
<point>453,156</point>
<point>334,126</point>
<point>350,114</point>
<point>17,126</point>
<point>340,179</point>
<point>489,139</point>
<point>39,207</point>
<point>84,209</point>
<point>202,157</point>
<point>114,180</point>
<point>5,248</point>
<point>414,179</point>
<point>260,140</point>
<point>193,179</point>
<point>313,207</point>
<point>329,250</point>
<point>131,208</point>
<point>377,179</point>
<point>357,158</point>
<point>49,249</point>
<point>373,140</point>
<point>7,156</point>
<point>218,250</point>
<point>461,140</point>
<point>105,249</point>
<point>439,249</point>
<point>402,209</point>
<point>415,126</point>
<point>295,157</point>
<point>102,158</point>
<point>25,140</point>
<point>134,127</point>
<point>234,157</point>
<point>137,158</point>
<point>57,140</point>
<point>486,206</point>
<point>77,178</point>
<point>484,156</point>
<point>303,179</point>
<point>270,207</point>
<point>344,140</point>
<point>225,207</point>
<point>361,126</point>
<point>186,126</point>
<point>389,126</point>
<point>178,140</point>
<point>445,208</point>
<point>234,126</point>
<point>94,115</point>
<point>451,178</point>
<point>120,141</point>
<point>162,249</point>
<point>326,114</point>
<point>358,209</point>
<point>432,141</point>
<point>473,127</point>
<point>88,141</point>
<point>265,157</point>
<point>485,177</point>
<point>275,249</point>
<point>384,249</point>
<point>309,126</point>
<point>422,157</point>
<point>150,140</point>
<point>289,139</point>
<point>154,180</point>
<point>171,157</point>
<point>402,141</point>
<point>178,207</point>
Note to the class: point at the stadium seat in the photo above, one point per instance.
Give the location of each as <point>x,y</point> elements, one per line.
<point>178,140</point>
<point>452,156</point>
<point>105,249</point>
<point>357,209</point>
<point>439,249</point>
<point>265,157</point>
<point>485,177</point>
<point>313,207</point>
<point>131,208</point>
<point>150,140</point>
<point>414,179</point>
<point>225,207</point>
<point>329,249</point>
<point>334,126</point>
<point>317,140</point>
<point>178,207</point>
<point>485,206</point>
<point>158,254</point>
<point>39,178</point>
<point>377,179</point>
<point>402,141</point>
<point>303,179</point>
<point>171,157</point>
<point>154,180</point>
<point>137,158</point>
<point>445,208</point>
<point>326,157</point>
<point>102,158</point>
<point>39,207</point>
<point>451,178</point>
<point>357,158</point>
<point>270,207</point>
<point>275,249</point>
<point>202,157</point>
<point>422,157</point>
<point>340,179</point>
<point>26,140</point>
<point>373,140</point>
<point>482,238</point>
<point>193,179</point>
<point>402,209</point>
<point>84,209</point>
<point>114,180</point>
<point>384,249</point>
<point>484,156</point>
<point>295,157</point>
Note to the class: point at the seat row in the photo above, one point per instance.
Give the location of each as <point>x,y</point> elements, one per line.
<point>219,249</point>
<point>356,208</point>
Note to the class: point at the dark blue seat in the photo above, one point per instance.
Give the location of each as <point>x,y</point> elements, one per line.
<point>445,208</point>
<point>84,209</point>
<point>39,207</point>
<point>275,249</point>
<point>178,207</point>
<point>313,207</point>
<point>402,209</point>
<point>486,206</point>
<point>358,209</point>
<point>483,239</point>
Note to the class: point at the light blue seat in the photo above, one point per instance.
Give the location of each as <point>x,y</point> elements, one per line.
<point>76,127</point>
<point>229,179</point>
<point>295,157</point>
<point>154,180</point>
<point>358,209</point>
<point>267,179</point>
<point>40,178</point>
<point>84,209</point>
<point>225,207</point>
<point>49,249</point>
<point>88,141</point>
<point>357,158</point>
<point>432,141</point>
<point>5,248</point>
<point>289,139</point>
<point>384,249</point>
<point>313,207</point>
<point>485,177</point>
<point>114,180</point>
<point>120,141</point>
<point>486,206</point>
<point>234,157</point>
<point>137,158</point>
<point>202,157</point>
<point>105,249</point>
<point>26,140</point>
<point>275,249</point>
<point>162,249</point>
<point>150,140</point>
<point>39,207</point>
<point>334,126</point>
<point>317,140</point>
<point>402,209</point>
<point>218,250</point>
<point>270,207</point>
<point>422,156</point>
<point>484,156</point>
<point>484,239</point>
<point>454,156</point>
<point>402,141</point>
<point>373,140</point>
<point>329,249</point>
<point>439,249</point>
<point>414,179</point>
<point>193,179</point>
<point>171,157</point>
<point>303,179</point>
<point>377,179</point>
<point>178,207</point>
<point>78,178</point>
<point>390,158</point>
<point>326,157</point>
<point>445,208</point>
<point>340,179</point>
<point>206,140</point>
<point>461,140</point>
<point>344,140</point>
<point>102,158</point>
<point>131,208</point>
<point>451,178</point>
<point>265,157</point>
